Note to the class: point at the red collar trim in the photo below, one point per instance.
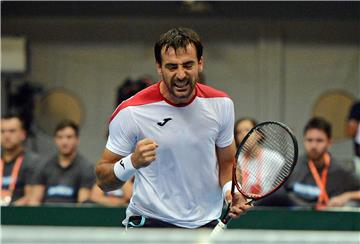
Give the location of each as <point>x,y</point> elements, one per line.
<point>178,104</point>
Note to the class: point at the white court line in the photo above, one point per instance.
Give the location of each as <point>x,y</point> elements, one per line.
<point>104,235</point>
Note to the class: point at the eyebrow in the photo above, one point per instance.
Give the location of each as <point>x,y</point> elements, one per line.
<point>174,64</point>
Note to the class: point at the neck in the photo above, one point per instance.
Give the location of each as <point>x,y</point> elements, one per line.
<point>319,162</point>
<point>65,160</point>
<point>10,154</point>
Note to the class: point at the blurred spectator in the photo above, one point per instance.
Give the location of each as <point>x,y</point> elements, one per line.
<point>17,163</point>
<point>67,177</point>
<point>130,87</point>
<point>242,127</point>
<point>319,179</point>
<point>353,130</point>
<point>117,198</point>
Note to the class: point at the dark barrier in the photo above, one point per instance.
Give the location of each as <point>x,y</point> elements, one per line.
<point>276,219</point>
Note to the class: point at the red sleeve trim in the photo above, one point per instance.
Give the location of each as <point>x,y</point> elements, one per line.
<point>209,92</point>
<point>149,95</point>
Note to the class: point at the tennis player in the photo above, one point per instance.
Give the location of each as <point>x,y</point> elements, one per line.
<point>176,138</point>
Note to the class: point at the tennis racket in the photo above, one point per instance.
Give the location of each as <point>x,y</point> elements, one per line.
<point>265,159</point>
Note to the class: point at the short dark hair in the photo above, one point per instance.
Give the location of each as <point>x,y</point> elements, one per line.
<point>67,123</point>
<point>178,38</point>
<point>320,124</point>
<point>14,116</point>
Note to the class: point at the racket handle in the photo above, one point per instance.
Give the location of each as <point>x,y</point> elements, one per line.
<point>219,228</point>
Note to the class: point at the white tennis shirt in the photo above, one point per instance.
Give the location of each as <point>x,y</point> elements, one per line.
<point>182,185</point>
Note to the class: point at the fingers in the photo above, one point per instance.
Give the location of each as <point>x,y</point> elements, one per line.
<point>239,205</point>
<point>145,153</point>
<point>148,148</point>
<point>228,197</point>
<point>147,141</point>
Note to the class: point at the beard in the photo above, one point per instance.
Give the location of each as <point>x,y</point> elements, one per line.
<point>67,151</point>
<point>316,155</point>
<point>9,145</point>
<point>182,89</point>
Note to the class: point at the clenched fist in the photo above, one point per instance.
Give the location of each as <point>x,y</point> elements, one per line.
<point>144,154</point>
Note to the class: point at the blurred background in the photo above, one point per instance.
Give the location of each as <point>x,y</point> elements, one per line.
<point>285,61</point>
<point>277,61</point>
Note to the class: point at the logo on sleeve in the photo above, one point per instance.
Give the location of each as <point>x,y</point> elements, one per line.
<point>164,121</point>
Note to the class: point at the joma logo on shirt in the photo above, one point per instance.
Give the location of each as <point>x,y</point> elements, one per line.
<point>164,121</point>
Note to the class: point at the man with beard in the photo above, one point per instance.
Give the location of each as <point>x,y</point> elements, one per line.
<point>319,180</point>
<point>17,163</point>
<point>67,177</point>
<point>176,138</point>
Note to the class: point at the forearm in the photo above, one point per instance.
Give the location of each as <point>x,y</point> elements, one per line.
<point>106,178</point>
<point>353,195</point>
<point>37,195</point>
<point>113,170</point>
<point>111,201</point>
<point>225,174</point>
<point>21,201</point>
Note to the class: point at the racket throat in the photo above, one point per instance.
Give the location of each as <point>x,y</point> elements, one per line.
<point>250,202</point>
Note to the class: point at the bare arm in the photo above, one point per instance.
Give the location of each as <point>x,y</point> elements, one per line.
<point>37,195</point>
<point>98,196</point>
<point>144,155</point>
<point>25,199</point>
<point>226,157</point>
<point>83,195</point>
<point>105,177</point>
<point>342,199</point>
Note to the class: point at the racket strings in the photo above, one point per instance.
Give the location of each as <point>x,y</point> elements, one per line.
<point>265,160</point>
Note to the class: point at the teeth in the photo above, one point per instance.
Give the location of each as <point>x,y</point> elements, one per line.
<point>181,85</point>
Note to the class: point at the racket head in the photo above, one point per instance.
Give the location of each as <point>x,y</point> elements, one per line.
<point>265,158</point>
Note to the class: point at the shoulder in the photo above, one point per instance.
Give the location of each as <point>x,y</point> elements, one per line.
<point>31,158</point>
<point>148,95</point>
<point>218,99</point>
<point>46,164</point>
<point>300,168</point>
<point>205,91</point>
<point>338,167</point>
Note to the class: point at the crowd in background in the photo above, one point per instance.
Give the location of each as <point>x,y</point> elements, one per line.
<point>319,180</point>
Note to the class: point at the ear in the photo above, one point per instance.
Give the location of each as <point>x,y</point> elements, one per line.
<point>201,64</point>
<point>158,68</point>
<point>23,135</point>
<point>330,143</point>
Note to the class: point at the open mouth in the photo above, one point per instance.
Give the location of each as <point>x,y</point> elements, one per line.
<point>181,85</point>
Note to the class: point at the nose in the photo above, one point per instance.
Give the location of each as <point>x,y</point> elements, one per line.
<point>180,73</point>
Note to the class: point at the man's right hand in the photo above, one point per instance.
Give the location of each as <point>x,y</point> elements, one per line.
<point>144,154</point>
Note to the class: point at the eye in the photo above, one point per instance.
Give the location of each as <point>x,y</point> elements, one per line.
<point>188,65</point>
<point>171,67</point>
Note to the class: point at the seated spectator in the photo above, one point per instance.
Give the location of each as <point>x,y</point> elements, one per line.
<point>117,198</point>
<point>17,163</point>
<point>67,177</point>
<point>319,180</point>
<point>242,127</point>
<point>353,130</point>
